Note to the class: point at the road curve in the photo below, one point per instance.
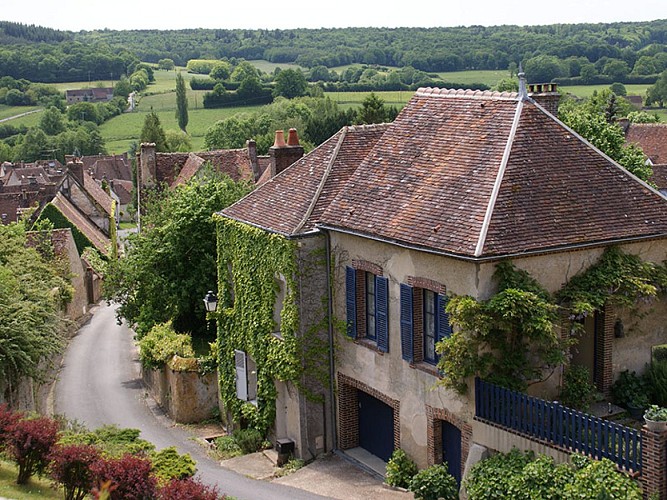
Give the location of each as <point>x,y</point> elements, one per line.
<point>100,383</point>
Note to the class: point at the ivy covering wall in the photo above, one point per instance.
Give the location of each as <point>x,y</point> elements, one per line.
<point>50,212</point>
<point>249,262</point>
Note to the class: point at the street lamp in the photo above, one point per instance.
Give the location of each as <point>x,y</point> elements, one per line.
<point>210,302</point>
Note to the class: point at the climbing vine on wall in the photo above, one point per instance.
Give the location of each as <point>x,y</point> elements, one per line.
<point>512,338</point>
<point>249,260</point>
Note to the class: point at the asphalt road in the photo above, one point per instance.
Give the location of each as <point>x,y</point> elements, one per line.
<point>100,383</point>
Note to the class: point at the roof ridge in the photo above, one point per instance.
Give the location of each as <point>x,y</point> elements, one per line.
<point>465,93</point>
<point>325,176</point>
<point>499,179</point>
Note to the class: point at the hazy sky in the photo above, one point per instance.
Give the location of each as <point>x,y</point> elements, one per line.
<point>75,15</point>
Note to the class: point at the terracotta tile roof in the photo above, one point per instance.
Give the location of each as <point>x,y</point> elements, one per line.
<point>292,202</point>
<point>97,193</point>
<point>651,137</point>
<point>111,167</point>
<point>233,162</point>
<point>189,169</point>
<point>123,190</point>
<point>468,173</point>
<point>481,174</point>
<point>82,223</point>
<point>659,177</point>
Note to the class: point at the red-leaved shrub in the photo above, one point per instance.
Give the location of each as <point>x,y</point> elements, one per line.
<point>188,489</point>
<point>131,477</point>
<point>70,465</point>
<point>8,418</point>
<point>29,442</point>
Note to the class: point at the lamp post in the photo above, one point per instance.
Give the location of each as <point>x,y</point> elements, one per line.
<point>211,304</point>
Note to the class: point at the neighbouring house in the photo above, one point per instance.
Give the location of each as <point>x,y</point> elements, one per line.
<point>97,94</point>
<point>652,138</point>
<point>377,227</point>
<point>23,188</point>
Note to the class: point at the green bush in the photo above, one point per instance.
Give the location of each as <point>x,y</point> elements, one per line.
<point>660,352</point>
<point>631,389</point>
<point>517,475</point>
<point>227,447</point>
<point>162,343</point>
<point>249,440</point>
<point>657,377</point>
<point>400,469</point>
<point>434,483</point>
<point>112,440</point>
<point>168,464</point>
<point>577,391</point>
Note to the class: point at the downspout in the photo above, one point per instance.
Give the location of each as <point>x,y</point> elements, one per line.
<point>332,395</point>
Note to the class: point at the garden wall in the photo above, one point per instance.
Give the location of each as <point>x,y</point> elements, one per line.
<point>187,396</point>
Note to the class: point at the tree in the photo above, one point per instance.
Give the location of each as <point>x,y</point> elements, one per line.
<point>221,71</point>
<point>544,68</point>
<point>33,146</point>
<point>51,121</point>
<point>153,132</point>
<point>373,110</point>
<point>31,293</point>
<point>243,71</point>
<point>618,89</point>
<point>177,141</point>
<point>171,263</point>
<point>249,87</point>
<point>122,88</point>
<point>290,83</point>
<point>166,64</point>
<point>83,111</point>
<point>181,103</point>
<point>616,69</point>
<point>657,93</point>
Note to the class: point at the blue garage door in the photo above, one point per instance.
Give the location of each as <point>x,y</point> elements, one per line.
<point>376,426</point>
<point>451,449</point>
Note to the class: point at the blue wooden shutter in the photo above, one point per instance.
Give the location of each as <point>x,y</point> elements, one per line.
<point>407,328</point>
<point>351,301</point>
<point>444,328</point>
<point>382,312</point>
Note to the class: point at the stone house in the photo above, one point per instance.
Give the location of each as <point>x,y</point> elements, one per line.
<point>95,94</point>
<point>412,212</point>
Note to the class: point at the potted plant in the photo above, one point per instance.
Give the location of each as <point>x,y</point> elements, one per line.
<point>637,405</point>
<point>656,418</point>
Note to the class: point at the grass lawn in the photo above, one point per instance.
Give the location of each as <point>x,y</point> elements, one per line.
<point>269,67</point>
<point>354,99</point>
<point>587,90</point>
<point>36,488</point>
<point>8,111</point>
<point>488,77</point>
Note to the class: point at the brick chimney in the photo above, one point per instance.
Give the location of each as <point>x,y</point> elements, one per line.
<point>251,145</point>
<point>146,174</point>
<point>546,95</point>
<point>75,168</point>
<point>284,154</point>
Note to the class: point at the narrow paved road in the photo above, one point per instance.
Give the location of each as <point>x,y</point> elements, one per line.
<point>100,383</point>
<point>20,115</point>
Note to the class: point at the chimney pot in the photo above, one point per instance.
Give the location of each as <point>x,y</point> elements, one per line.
<point>279,141</point>
<point>292,138</point>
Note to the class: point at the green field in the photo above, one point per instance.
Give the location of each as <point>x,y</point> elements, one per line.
<point>487,77</point>
<point>9,111</point>
<point>587,90</point>
<point>269,67</point>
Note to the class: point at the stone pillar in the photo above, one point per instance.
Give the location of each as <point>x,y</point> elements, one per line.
<point>654,463</point>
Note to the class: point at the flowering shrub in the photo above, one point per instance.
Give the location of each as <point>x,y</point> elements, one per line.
<point>70,465</point>
<point>130,476</point>
<point>29,442</point>
<point>187,489</point>
<point>8,418</point>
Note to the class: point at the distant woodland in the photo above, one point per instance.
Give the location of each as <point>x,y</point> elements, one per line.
<point>588,53</point>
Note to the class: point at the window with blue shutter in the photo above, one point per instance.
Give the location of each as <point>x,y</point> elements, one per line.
<point>351,301</point>
<point>444,329</point>
<point>382,312</point>
<point>407,327</point>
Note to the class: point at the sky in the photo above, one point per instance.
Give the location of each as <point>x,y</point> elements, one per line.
<point>75,15</point>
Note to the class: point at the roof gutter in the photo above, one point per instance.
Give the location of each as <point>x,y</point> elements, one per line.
<point>492,258</point>
<point>307,234</point>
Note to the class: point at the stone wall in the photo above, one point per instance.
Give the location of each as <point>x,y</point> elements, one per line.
<point>186,396</point>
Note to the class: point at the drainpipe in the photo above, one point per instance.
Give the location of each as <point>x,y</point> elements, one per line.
<point>332,395</point>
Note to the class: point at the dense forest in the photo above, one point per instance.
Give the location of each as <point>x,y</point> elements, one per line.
<point>616,51</point>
